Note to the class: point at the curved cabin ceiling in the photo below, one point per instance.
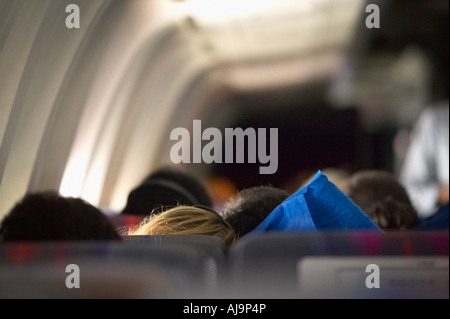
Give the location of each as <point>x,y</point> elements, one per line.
<point>267,43</point>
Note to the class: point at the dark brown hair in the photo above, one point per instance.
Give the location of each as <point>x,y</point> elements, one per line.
<point>383,198</point>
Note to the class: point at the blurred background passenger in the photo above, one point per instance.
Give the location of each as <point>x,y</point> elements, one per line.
<point>48,216</point>
<point>186,220</point>
<point>249,207</point>
<point>425,172</point>
<point>164,188</point>
<point>438,221</point>
<point>383,198</point>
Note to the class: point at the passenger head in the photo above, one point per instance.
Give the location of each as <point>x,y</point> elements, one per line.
<point>47,216</point>
<point>187,220</point>
<point>166,188</point>
<point>382,197</point>
<point>249,207</point>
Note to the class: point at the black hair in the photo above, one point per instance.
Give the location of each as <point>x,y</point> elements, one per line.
<point>165,188</point>
<point>48,216</point>
<point>248,208</point>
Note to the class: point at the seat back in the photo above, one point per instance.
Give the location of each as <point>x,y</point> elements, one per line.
<point>374,277</point>
<point>212,245</point>
<point>274,265</point>
<point>103,270</point>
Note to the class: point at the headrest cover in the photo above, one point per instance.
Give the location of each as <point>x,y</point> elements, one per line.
<point>320,205</point>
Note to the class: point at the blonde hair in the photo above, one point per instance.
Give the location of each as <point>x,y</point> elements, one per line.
<point>188,220</point>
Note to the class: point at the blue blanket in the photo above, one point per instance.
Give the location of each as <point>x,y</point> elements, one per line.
<point>320,205</point>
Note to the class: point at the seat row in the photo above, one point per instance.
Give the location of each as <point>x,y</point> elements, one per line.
<point>270,265</point>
